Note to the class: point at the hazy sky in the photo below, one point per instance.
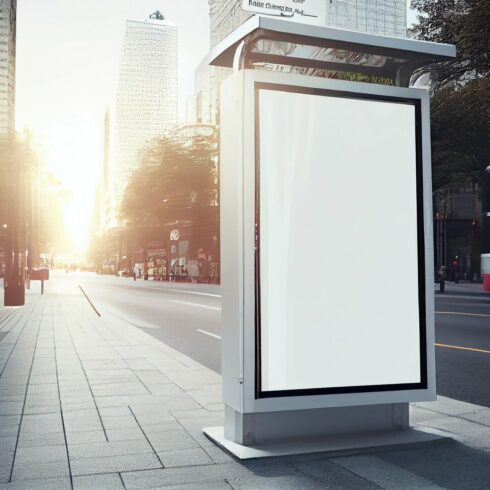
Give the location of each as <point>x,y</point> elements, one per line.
<point>67,65</point>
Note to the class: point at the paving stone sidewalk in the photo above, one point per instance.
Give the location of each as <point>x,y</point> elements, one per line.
<point>89,402</point>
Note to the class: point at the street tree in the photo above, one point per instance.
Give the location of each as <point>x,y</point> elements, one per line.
<point>460,88</point>
<point>174,179</point>
<point>175,183</point>
<point>460,22</point>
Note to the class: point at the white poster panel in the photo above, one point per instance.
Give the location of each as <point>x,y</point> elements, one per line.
<point>339,275</point>
<point>302,11</point>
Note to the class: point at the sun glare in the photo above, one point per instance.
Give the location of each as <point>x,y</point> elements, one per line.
<point>73,154</point>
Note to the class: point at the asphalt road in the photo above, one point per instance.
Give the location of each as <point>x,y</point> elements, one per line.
<point>187,317</point>
<point>184,316</point>
<point>463,343</point>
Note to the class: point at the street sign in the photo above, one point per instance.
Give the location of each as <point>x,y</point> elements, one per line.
<point>174,235</point>
<point>39,275</point>
<point>303,11</point>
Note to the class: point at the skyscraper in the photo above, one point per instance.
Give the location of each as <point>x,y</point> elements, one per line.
<point>8,14</point>
<point>147,101</point>
<point>8,10</point>
<point>104,201</point>
<point>107,173</point>
<point>387,17</point>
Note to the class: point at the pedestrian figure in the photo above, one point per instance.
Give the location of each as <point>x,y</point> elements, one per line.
<point>442,278</point>
<point>136,271</point>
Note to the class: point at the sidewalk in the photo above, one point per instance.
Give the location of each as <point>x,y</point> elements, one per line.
<point>465,289</point>
<point>89,402</point>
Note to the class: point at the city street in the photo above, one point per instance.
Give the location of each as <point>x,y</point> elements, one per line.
<point>184,316</point>
<point>221,223</point>
<point>463,322</point>
<point>187,317</point>
<point>95,402</point>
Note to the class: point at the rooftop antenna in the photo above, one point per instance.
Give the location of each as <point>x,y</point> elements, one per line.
<point>157,15</point>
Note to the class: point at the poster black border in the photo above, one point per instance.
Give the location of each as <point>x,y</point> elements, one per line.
<point>417,103</point>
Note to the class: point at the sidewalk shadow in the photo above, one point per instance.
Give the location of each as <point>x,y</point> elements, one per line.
<point>448,464</point>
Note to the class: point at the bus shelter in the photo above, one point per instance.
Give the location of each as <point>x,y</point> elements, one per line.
<point>326,238</point>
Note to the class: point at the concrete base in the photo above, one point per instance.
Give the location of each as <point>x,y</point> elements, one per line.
<point>334,443</point>
<point>256,429</point>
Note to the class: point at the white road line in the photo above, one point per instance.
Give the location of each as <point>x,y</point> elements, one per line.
<point>483,304</point>
<point>460,313</point>
<point>187,292</point>
<point>198,305</point>
<point>209,333</point>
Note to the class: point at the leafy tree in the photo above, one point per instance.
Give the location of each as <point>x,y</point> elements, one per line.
<point>21,198</point>
<point>460,88</point>
<point>464,23</point>
<point>174,181</point>
<point>176,184</point>
<point>460,132</point>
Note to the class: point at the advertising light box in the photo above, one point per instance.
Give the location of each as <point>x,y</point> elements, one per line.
<point>326,239</point>
<point>339,261</point>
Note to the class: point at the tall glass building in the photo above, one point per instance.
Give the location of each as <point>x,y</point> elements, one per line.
<point>8,14</point>
<point>387,17</point>
<point>147,99</point>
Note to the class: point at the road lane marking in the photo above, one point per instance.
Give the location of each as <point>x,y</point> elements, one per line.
<point>198,305</point>
<point>459,313</point>
<point>481,304</point>
<point>209,333</point>
<point>463,348</point>
<point>89,301</point>
<point>184,291</point>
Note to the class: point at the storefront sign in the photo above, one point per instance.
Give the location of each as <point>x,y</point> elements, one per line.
<point>303,11</point>
<point>174,235</point>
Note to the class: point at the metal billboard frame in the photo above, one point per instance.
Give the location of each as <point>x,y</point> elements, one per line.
<point>239,266</point>
<point>420,244</point>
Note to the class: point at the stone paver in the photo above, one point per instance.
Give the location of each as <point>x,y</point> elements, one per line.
<point>90,402</point>
<point>111,481</point>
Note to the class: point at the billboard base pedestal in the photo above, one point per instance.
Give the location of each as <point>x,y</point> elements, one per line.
<point>333,444</point>
<point>267,434</point>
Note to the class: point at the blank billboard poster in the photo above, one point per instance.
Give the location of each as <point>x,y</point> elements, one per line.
<point>340,255</point>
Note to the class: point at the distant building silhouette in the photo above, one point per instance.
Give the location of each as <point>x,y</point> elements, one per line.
<point>8,16</point>
<point>147,100</point>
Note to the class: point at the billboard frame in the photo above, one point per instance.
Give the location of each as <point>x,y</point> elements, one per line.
<point>238,144</point>
<point>421,263</point>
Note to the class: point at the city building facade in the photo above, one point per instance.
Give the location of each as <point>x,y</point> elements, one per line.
<point>183,245</point>
<point>147,99</point>
<point>385,17</point>
<point>8,15</point>
<point>104,216</point>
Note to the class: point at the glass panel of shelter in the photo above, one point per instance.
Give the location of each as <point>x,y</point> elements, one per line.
<point>324,62</point>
